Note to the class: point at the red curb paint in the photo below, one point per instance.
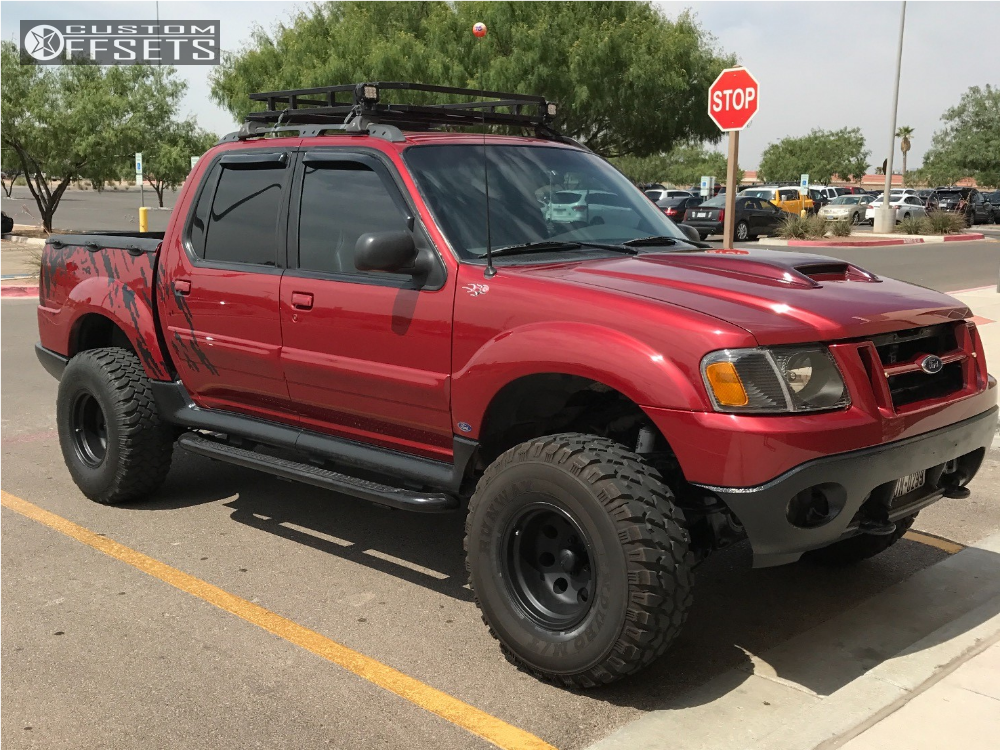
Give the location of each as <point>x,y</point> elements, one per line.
<point>18,291</point>
<point>961,237</point>
<point>855,243</point>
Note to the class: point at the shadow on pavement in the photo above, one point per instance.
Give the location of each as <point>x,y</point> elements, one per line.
<point>793,622</point>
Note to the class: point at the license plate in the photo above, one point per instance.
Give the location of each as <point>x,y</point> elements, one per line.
<point>906,485</point>
<point>700,214</point>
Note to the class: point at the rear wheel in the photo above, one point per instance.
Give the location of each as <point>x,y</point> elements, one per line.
<point>114,443</point>
<point>578,559</point>
<point>858,548</point>
<point>855,218</point>
<point>742,231</point>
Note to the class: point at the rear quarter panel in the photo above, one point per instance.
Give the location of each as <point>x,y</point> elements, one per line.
<point>112,282</point>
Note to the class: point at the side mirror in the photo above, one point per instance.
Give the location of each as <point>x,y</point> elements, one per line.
<point>386,251</point>
<point>690,232</point>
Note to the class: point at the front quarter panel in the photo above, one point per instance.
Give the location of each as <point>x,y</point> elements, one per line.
<point>514,325</point>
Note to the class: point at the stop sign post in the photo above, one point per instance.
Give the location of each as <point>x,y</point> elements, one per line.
<point>732,103</point>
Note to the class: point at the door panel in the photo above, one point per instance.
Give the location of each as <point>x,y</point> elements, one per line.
<point>220,290</point>
<point>370,357</point>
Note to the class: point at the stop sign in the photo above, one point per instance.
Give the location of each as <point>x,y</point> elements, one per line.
<point>732,99</point>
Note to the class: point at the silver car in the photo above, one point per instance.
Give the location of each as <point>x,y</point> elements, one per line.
<point>850,208</point>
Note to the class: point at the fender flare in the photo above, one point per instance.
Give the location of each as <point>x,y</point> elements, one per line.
<point>637,370</point>
<point>128,309</point>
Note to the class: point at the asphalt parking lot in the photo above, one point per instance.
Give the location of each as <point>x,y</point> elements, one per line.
<point>285,609</point>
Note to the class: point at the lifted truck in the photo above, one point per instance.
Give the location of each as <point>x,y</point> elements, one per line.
<point>386,305</point>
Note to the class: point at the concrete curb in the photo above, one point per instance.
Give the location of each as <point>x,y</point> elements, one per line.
<point>12,290</point>
<point>832,682</point>
<point>29,241</point>
<point>882,241</point>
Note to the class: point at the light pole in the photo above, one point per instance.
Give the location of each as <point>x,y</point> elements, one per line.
<point>885,217</point>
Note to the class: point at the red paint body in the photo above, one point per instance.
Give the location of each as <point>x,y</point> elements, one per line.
<point>404,368</point>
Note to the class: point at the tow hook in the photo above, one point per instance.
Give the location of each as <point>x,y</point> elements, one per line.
<point>877,528</point>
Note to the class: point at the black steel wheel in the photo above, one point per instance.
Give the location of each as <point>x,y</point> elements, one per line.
<point>546,565</point>
<point>114,443</point>
<point>89,428</point>
<point>578,559</point>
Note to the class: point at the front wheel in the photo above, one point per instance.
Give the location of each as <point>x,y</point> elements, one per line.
<point>855,219</point>
<point>114,443</point>
<point>578,559</point>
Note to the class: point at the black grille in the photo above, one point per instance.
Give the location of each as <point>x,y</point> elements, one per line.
<point>904,346</point>
<point>911,387</point>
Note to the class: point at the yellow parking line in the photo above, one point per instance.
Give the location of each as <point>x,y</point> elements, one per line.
<point>934,541</point>
<point>479,723</point>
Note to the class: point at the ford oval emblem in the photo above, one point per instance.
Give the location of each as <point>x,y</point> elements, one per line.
<point>931,364</point>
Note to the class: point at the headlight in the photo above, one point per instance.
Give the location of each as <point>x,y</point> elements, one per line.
<point>774,380</point>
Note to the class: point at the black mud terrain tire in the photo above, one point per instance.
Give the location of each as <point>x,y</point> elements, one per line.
<point>114,443</point>
<point>578,559</point>
<point>857,548</point>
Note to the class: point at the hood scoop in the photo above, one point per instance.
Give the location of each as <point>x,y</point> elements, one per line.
<point>773,269</point>
<point>836,271</point>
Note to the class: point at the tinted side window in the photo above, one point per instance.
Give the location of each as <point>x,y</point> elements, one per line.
<point>243,225</point>
<point>199,220</point>
<point>340,202</point>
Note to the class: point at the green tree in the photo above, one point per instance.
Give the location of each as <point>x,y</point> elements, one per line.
<point>969,143</point>
<point>628,80</point>
<point>10,168</point>
<point>684,165</point>
<point>168,159</point>
<point>903,133</point>
<point>66,120</point>
<point>821,154</point>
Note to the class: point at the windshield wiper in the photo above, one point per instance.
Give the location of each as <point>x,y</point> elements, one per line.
<point>650,241</point>
<point>548,245</point>
<point>535,247</point>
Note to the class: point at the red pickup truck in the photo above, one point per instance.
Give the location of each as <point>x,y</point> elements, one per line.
<point>392,312</point>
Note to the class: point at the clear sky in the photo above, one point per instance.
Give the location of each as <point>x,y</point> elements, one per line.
<point>824,64</point>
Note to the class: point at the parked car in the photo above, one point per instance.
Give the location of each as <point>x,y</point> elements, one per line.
<point>588,207</point>
<point>924,194</point>
<point>966,201</point>
<point>7,224</point>
<point>675,207</point>
<point>906,206</point>
<point>754,217</point>
<point>605,404</point>
<point>852,190</point>
<point>696,189</point>
<point>786,198</point>
<point>994,200</point>
<point>656,195</point>
<point>850,208</point>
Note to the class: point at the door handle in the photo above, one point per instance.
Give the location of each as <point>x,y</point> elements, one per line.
<point>182,286</point>
<point>302,300</point>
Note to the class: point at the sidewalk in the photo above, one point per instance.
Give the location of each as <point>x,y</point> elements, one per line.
<point>961,710</point>
<point>985,306</point>
<point>18,265</point>
<point>917,666</point>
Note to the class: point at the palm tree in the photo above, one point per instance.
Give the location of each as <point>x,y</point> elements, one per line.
<point>904,133</point>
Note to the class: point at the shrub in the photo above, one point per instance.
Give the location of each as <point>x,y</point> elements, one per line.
<point>839,228</point>
<point>913,225</point>
<point>795,227</point>
<point>943,222</point>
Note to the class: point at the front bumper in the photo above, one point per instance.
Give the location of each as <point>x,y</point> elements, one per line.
<point>857,487</point>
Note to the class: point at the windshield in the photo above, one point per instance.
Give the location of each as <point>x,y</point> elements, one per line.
<point>718,201</point>
<point>537,194</point>
<point>767,195</point>
<point>845,200</point>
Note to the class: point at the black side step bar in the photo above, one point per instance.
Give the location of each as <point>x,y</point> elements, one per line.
<point>394,497</point>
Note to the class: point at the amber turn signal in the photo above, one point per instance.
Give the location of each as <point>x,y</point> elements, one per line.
<point>726,384</point>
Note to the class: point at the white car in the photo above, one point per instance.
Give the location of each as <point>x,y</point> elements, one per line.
<point>590,207</point>
<point>906,206</point>
<point>656,194</point>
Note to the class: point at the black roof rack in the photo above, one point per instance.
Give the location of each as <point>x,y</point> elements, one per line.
<point>356,107</point>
